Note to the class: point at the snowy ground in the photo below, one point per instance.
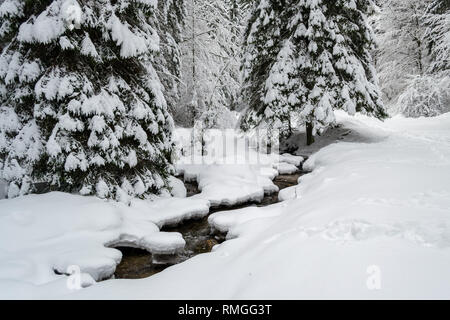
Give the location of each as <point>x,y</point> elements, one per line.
<point>372,220</point>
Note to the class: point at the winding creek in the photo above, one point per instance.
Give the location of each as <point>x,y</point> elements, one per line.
<point>199,236</point>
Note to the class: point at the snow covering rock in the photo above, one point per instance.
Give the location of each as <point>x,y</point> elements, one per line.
<point>233,221</point>
<point>170,211</point>
<point>289,193</point>
<point>291,159</point>
<point>286,168</point>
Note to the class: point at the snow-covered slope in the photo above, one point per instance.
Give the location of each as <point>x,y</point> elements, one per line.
<point>372,220</point>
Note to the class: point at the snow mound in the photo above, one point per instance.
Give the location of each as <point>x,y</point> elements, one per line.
<point>170,211</point>
<point>42,236</point>
<point>230,221</point>
<point>289,193</point>
<point>291,159</point>
<point>178,188</point>
<point>286,168</point>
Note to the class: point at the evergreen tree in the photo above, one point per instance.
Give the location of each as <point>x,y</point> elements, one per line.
<point>263,41</point>
<point>320,62</point>
<point>82,107</point>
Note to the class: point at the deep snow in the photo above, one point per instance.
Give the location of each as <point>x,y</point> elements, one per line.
<point>373,210</point>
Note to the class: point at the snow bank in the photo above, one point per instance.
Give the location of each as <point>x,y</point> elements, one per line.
<point>289,193</point>
<point>41,235</point>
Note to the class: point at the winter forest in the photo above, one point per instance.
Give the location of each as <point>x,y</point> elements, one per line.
<point>204,148</point>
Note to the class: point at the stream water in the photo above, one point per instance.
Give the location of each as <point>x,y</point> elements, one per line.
<point>200,238</point>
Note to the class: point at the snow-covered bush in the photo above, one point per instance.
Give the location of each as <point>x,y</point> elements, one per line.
<point>401,50</point>
<point>426,96</point>
<point>429,94</point>
<point>219,117</point>
<point>413,55</point>
<point>82,107</point>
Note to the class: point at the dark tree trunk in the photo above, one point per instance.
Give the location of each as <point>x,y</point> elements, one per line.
<point>309,133</point>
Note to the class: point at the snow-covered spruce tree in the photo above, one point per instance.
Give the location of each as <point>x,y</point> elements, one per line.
<point>82,108</point>
<point>323,63</point>
<point>262,43</point>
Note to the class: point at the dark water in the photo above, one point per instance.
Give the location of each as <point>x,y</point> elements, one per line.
<point>138,264</point>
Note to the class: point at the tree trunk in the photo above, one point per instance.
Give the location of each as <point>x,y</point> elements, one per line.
<point>309,133</point>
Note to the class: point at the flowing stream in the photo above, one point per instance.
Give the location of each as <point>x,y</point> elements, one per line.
<point>199,236</point>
